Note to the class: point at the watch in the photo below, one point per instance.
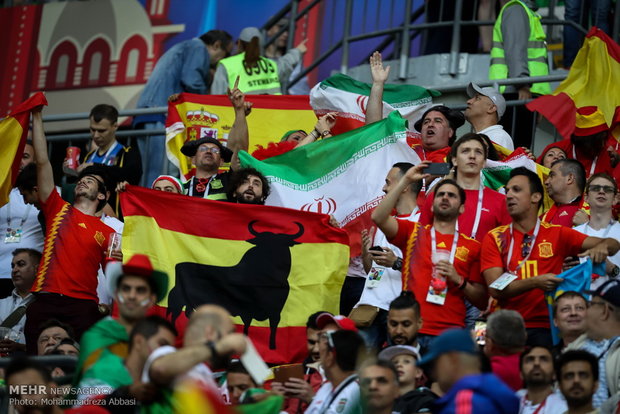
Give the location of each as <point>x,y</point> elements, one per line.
<point>398,264</point>
<point>615,272</point>
<point>325,133</point>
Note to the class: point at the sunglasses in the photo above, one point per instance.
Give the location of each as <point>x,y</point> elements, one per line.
<point>606,189</point>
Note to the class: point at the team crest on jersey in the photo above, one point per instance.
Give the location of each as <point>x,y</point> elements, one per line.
<point>341,405</point>
<point>545,249</point>
<point>99,238</point>
<point>462,253</point>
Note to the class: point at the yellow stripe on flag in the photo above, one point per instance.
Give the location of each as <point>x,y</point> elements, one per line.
<point>10,137</point>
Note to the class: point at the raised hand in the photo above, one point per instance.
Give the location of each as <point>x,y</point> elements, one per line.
<point>378,72</point>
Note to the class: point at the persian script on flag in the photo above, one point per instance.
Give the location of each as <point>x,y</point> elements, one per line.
<point>193,117</point>
<point>271,267</point>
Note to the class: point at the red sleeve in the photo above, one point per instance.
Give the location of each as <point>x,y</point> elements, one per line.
<point>571,241</point>
<point>405,228</point>
<point>426,215</point>
<point>490,256</point>
<point>474,270</point>
<point>52,205</point>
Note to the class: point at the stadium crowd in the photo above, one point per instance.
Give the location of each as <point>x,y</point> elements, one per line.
<point>451,316</point>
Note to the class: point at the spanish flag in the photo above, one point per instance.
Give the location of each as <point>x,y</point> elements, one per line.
<point>587,101</point>
<point>13,133</point>
<point>271,267</point>
<point>197,116</point>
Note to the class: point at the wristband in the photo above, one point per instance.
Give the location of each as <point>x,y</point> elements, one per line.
<point>462,285</point>
<point>398,264</point>
<point>217,361</point>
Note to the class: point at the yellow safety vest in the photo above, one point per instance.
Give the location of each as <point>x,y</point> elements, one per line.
<point>262,78</point>
<point>536,51</point>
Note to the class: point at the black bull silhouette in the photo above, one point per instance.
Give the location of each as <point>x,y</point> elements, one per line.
<point>255,288</point>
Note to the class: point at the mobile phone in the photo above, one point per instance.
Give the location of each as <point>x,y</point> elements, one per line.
<point>437,168</point>
<point>283,372</point>
<point>376,248</point>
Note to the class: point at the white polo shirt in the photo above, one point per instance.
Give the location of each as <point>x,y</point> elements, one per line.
<point>345,399</point>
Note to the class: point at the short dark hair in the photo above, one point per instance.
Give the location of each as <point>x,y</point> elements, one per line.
<point>450,181</point>
<point>213,36</point>
<point>533,178</point>
<point>239,176</point>
<point>149,326</point>
<point>403,167</point>
<point>605,176</point>
<point>311,322</point>
<point>384,363</point>
<point>104,111</point>
<point>33,253</point>
<point>22,363</point>
<point>570,166</point>
<point>529,349</point>
<point>347,345</point>
<point>471,136</point>
<point>50,323</point>
<point>238,368</point>
<point>104,184</point>
<point>455,119</point>
<point>406,300</point>
<point>568,294</point>
<point>27,178</point>
<point>576,355</point>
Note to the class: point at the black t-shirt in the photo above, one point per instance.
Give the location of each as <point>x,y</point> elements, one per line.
<point>417,401</point>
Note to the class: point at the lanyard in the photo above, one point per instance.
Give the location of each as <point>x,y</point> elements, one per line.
<point>512,242</point>
<point>452,250</point>
<point>207,187</point>
<point>337,392</point>
<point>540,406</point>
<point>474,229</point>
<point>593,167</point>
<point>106,157</point>
<point>9,219</point>
<point>609,226</point>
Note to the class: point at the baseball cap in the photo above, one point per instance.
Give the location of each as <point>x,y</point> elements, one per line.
<point>249,33</point>
<point>190,148</point>
<point>392,351</point>
<point>138,265</point>
<point>608,291</point>
<point>342,321</point>
<point>491,93</point>
<point>451,340</point>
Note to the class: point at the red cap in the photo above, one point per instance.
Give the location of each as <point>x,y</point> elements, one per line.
<point>342,321</point>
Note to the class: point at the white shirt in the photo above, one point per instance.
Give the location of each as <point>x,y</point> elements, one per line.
<point>497,134</point>
<point>554,404</point>
<point>612,232</point>
<point>382,292</point>
<point>346,401</point>
<point>32,234</point>
<point>200,372</point>
<point>8,305</point>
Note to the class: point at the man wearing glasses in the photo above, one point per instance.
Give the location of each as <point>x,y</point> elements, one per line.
<point>521,260</point>
<point>602,338</point>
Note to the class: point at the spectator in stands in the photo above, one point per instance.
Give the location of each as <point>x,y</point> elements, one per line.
<point>209,153</point>
<point>602,338</point>
<point>135,286</point>
<point>238,380</point>
<point>585,14</point>
<point>539,395</point>
<point>379,386</point>
<point>76,240</point>
<point>13,308</point>
<point>565,185</point>
<point>327,322</point>
<point>504,341</point>
<point>485,208</point>
<point>529,254</point>
<point>601,194</point>
<point>260,79</point>
<point>340,351</point>
<point>455,365</point>
<point>248,186</point>
<point>50,333</point>
<point>383,266</point>
<point>168,183</point>
<point>551,154</point>
<point>185,67</point>
<point>444,262</point>
<point>485,108</point>
<point>67,347</point>
<point>404,321</point>
<point>578,375</point>
<point>124,161</point>
<point>519,51</point>
<point>24,373</point>
<point>414,398</point>
<point>21,229</point>
<point>209,337</point>
<point>569,316</point>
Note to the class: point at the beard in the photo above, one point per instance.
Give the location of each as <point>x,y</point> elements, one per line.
<point>242,198</point>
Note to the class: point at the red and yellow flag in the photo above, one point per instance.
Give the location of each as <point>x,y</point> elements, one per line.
<point>271,267</point>
<point>197,116</point>
<point>588,99</point>
<point>13,133</point>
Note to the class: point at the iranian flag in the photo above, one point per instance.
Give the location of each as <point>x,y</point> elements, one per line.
<point>348,97</point>
<point>342,176</point>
